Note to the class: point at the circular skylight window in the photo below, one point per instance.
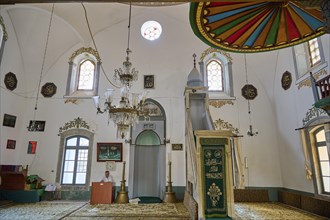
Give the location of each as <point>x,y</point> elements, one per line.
<point>151,30</point>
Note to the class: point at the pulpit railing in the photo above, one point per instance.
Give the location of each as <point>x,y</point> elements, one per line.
<point>321,88</point>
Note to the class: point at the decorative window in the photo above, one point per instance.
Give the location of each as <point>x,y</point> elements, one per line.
<point>74,167</point>
<point>86,75</point>
<point>84,71</point>
<point>308,57</point>
<point>316,142</point>
<point>75,155</point>
<point>214,75</point>
<point>151,30</point>
<point>322,163</point>
<point>216,68</point>
<point>3,37</point>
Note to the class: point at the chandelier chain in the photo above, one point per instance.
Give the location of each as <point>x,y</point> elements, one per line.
<point>44,58</point>
<point>94,43</point>
<point>247,83</point>
<point>129,27</point>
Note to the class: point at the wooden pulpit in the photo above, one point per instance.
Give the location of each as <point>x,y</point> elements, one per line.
<point>101,193</point>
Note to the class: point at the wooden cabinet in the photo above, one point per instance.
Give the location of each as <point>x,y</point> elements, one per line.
<point>101,193</point>
<point>13,177</point>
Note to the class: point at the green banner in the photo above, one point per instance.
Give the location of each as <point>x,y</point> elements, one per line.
<point>214,176</point>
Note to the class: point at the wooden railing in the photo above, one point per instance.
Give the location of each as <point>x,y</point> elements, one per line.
<point>323,86</point>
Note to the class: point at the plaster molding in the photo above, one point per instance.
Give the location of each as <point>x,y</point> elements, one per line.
<point>313,113</point>
<point>307,82</point>
<point>220,103</point>
<point>213,50</point>
<point>76,123</point>
<point>220,124</point>
<point>85,50</point>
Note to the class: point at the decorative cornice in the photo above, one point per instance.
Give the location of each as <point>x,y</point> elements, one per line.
<point>213,50</point>
<point>307,82</point>
<point>313,113</point>
<point>76,123</point>
<point>220,103</point>
<point>220,124</point>
<point>85,50</point>
<point>5,34</point>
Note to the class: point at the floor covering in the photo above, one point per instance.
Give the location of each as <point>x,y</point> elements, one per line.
<point>68,210</point>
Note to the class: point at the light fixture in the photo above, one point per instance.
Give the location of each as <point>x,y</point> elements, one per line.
<point>33,126</point>
<point>250,131</point>
<point>130,107</point>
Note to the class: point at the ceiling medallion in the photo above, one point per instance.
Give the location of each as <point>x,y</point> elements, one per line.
<point>48,90</point>
<point>286,80</point>
<point>10,81</point>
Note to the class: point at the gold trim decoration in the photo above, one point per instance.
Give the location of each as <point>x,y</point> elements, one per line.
<point>307,82</point>
<point>214,50</point>
<point>85,50</point>
<point>214,193</point>
<point>76,123</point>
<point>73,101</point>
<point>5,34</point>
<point>313,113</point>
<point>155,4</point>
<point>220,124</point>
<point>220,103</point>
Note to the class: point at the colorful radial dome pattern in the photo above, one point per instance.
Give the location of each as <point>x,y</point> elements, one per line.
<point>255,26</point>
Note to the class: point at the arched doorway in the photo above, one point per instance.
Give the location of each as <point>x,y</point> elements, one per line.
<point>149,154</point>
<point>147,169</point>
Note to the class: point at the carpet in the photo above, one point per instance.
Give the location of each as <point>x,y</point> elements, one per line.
<point>40,210</point>
<point>132,211</point>
<point>270,211</point>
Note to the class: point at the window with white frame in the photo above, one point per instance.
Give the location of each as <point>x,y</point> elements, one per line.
<point>84,71</point>
<point>308,57</point>
<point>321,161</point>
<point>217,74</point>
<point>74,169</point>
<point>75,159</point>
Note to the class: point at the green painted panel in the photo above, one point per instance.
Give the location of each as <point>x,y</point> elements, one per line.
<point>148,138</point>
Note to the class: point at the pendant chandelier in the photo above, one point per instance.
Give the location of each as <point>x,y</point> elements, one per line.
<point>130,106</point>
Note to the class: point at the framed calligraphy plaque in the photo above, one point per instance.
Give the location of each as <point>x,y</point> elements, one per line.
<point>149,81</point>
<point>286,80</point>
<point>249,92</point>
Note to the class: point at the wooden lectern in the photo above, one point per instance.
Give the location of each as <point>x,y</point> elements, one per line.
<point>101,193</point>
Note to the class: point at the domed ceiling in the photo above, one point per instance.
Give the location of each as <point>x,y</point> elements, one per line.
<point>255,26</point>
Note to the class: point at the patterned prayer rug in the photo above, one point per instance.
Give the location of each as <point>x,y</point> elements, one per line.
<point>270,211</point>
<point>132,211</point>
<point>40,210</point>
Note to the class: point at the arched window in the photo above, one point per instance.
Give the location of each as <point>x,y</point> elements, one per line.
<point>84,71</point>
<point>321,160</point>
<point>86,75</point>
<point>75,155</point>
<point>216,69</point>
<point>74,168</point>
<point>316,142</point>
<point>308,57</point>
<point>214,75</point>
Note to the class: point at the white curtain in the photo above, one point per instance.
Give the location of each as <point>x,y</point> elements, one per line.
<point>306,155</point>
